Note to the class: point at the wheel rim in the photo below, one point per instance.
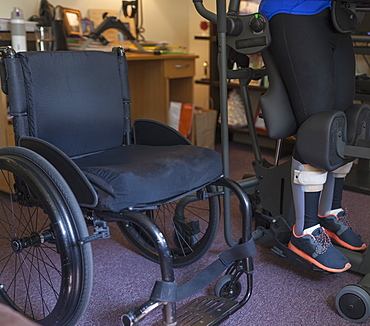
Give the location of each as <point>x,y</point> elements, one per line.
<point>353,303</point>
<point>37,262</point>
<point>227,289</point>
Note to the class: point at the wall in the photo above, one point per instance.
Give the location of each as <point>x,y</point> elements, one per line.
<point>200,47</point>
<point>174,21</point>
<point>164,20</point>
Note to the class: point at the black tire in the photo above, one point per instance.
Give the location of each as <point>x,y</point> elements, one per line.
<point>227,289</point>
<point>353,303</point>
<point>190,226</point>
<point>44,273</point>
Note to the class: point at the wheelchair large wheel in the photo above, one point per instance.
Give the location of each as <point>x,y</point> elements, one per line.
<point>44,273</point>
<point>190,226</point>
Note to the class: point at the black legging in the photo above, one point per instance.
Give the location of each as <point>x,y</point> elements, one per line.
<point>317,62</point>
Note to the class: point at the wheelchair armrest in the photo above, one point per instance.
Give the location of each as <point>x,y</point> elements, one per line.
<point>154,133</point>
<point>79,184</point>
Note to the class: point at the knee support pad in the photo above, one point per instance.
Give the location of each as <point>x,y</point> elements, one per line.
<point>317,140</point>
<point>358,123</point>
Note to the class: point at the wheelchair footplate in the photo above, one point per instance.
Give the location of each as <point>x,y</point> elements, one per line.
<point>235,262</point>
<point>205,310</point>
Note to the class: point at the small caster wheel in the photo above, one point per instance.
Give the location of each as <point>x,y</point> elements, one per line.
<point>353,303</point>
<point>227,289</point>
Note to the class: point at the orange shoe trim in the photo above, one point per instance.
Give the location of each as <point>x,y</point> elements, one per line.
<point>315,262</point>
<point>333,236</point>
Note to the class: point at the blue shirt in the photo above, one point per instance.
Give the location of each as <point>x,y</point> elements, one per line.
<point>295,7</point>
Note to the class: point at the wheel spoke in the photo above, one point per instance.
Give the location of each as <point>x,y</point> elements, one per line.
<point>189,226</point>
<point>40,221</point>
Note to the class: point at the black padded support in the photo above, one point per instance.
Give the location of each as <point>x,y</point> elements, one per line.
<point>322,139</point>
<point>317,139</point>
<point>81,187</point>
<point>358,123</point>
<point>54,84</point>
<point>16,88</point>
<point>276,108</point>
<point>345,17</point>
<point>154,133</point>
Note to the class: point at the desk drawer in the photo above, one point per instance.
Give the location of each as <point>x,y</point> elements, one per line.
<point>179,68</point>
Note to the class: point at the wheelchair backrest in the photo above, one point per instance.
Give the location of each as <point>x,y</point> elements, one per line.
<point>76,100</point>
<point>275,104</point>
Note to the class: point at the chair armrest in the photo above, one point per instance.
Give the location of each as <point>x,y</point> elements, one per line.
<point>154,133</point>
<point>77,181</point>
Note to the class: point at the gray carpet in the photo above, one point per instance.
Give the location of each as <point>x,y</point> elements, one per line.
<point>283,293</point>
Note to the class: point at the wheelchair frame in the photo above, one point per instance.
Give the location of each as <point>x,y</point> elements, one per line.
<point>43,181</point>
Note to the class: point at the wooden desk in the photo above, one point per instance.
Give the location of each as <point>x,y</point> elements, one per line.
<point>155,80</point>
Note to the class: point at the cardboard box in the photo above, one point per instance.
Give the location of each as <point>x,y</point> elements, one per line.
<point>204,128</point>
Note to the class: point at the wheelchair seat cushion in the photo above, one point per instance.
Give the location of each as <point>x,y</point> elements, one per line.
<point>137,176</point>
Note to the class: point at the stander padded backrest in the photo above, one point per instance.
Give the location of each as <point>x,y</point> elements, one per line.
<point>275,104</point>
<point>77,100</point>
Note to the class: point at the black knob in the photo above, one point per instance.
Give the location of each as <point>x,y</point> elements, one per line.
<point>257,24</point>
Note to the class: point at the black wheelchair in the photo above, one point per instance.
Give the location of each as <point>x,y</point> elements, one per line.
<point>79,164</point>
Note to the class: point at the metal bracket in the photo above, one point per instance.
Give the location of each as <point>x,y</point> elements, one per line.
<point>101,231</point>
<point>362,150</point>
<point>203,194</point>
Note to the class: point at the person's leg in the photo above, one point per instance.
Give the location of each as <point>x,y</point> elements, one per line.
<point>331,198</point>
<point>307,184</point>
<point>309,240</point>
<point>331,214</point>
<point>303,49</point>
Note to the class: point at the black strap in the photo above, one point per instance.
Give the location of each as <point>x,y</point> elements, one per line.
<point>238,252</point>
<point>200,281</point>
<point>167,291</point>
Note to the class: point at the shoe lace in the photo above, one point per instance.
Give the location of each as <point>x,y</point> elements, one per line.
<point>323,242</point>
<point>344,218</point>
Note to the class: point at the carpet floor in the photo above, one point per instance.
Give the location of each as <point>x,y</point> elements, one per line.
<point>283,293</point>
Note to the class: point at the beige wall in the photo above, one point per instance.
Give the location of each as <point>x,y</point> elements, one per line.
<point>174,21</point>
<point>201,47</point>
<point>163,19</point>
